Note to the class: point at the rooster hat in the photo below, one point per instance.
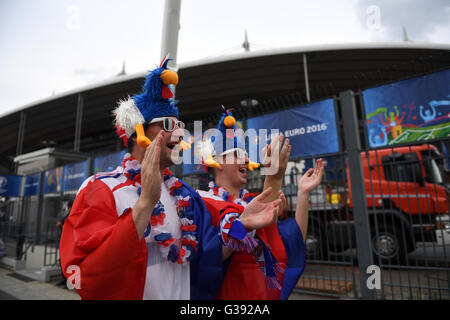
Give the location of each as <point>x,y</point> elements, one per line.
<point>229,142</point>
<point>156,100</point>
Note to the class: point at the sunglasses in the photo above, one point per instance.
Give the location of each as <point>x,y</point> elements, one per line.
<point>169,124</point>
<point>239,153</point>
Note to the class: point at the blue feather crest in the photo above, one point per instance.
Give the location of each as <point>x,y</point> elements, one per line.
<point>220,145</point>
<point>150,101</point>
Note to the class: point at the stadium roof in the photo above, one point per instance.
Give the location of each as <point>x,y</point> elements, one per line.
<point>275,78</point>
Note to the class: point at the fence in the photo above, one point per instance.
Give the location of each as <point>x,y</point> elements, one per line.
<point>400,225</point>
<point>51,244</point>
<point>12,228</point>
<point>378,224</point>
<point>22,228</point>
<point>403,228</point>
<point>408,223</point>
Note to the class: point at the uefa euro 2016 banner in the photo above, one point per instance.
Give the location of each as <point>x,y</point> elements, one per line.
<point>74,175</point>
<point>192,162</point>
<point>10,185</point>
<point>311,128</point>
<point>407,111</point>
<point>31,187</point>
<point>108,162</point>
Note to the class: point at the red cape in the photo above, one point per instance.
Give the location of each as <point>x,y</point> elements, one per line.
<point>106,248</point>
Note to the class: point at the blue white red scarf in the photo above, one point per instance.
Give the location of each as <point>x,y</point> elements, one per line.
<point>175,250</point>
<point>249,243</point>
<point>244,196</point>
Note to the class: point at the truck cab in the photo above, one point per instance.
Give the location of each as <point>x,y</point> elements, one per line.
<point>407,203</point>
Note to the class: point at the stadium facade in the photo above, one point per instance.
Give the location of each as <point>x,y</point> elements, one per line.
<point>253,83</point>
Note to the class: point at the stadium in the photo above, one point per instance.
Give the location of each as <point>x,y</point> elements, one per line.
<point>81,120</point>
<point>77,126</point>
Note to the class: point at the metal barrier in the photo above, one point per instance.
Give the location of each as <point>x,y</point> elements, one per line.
<point>51,244</point>
<point>408,202</point>
<point>408,222</point>
<point>379,225</point>
<point>13,238</point>
<point>403,226</point>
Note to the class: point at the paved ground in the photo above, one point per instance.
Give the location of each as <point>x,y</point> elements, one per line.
<point>13,288</point>
<point>398,284</point>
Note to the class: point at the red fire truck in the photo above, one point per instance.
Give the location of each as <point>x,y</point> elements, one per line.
<point>407,203</point>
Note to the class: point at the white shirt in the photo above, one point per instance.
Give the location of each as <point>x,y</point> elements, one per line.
<point>166,280</point>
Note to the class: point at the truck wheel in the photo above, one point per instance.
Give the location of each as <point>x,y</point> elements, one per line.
<point>316,244</point>
<point>388,246</point>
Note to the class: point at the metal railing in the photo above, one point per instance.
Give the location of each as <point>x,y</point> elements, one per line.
<point>408,223</point>
<point>51,244</point>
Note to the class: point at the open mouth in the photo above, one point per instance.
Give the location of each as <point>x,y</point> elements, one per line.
<point>171,145</point>
<point>243,170</point>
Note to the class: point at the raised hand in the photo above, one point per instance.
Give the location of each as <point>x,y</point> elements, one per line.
<point>151,171</point>
<point>150,185</point>
<point>275,160</point>
<point>283,203</point>
<point>312,178</point>
<point>258,214</point>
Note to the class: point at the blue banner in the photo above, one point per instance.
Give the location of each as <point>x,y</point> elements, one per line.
<point>53,180</point>
<point>193,168</point>
<point>407,111</point>
<point>108,162</point>
<point>31,187</point>
<point>74,175</point>
<point>310,128</point>
<point>192,162</point>
<point>9,185</point>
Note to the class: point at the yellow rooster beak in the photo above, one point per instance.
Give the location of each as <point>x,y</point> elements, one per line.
<point>184,145</point>
<point>253,165</point>
<point>169,77</point>
<point>210,162</point>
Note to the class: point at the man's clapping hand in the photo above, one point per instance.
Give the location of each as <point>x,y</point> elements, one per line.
<point>150,184</point>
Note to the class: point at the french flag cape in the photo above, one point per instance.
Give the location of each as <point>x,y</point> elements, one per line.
<point>100,238</point>
<point>243,278</point>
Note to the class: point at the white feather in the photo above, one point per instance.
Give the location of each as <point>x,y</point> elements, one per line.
<point>127,115</point>
<point>203,148</point>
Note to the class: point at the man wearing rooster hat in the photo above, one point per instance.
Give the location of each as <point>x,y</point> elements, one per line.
<point>266,263</point>
<point>138,232</point>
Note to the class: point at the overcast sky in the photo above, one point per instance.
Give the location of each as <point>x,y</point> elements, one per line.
<point>51,46</point>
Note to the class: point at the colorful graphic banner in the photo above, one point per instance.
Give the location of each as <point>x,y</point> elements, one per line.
<point>53,180</point>
<point>408,111</point>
